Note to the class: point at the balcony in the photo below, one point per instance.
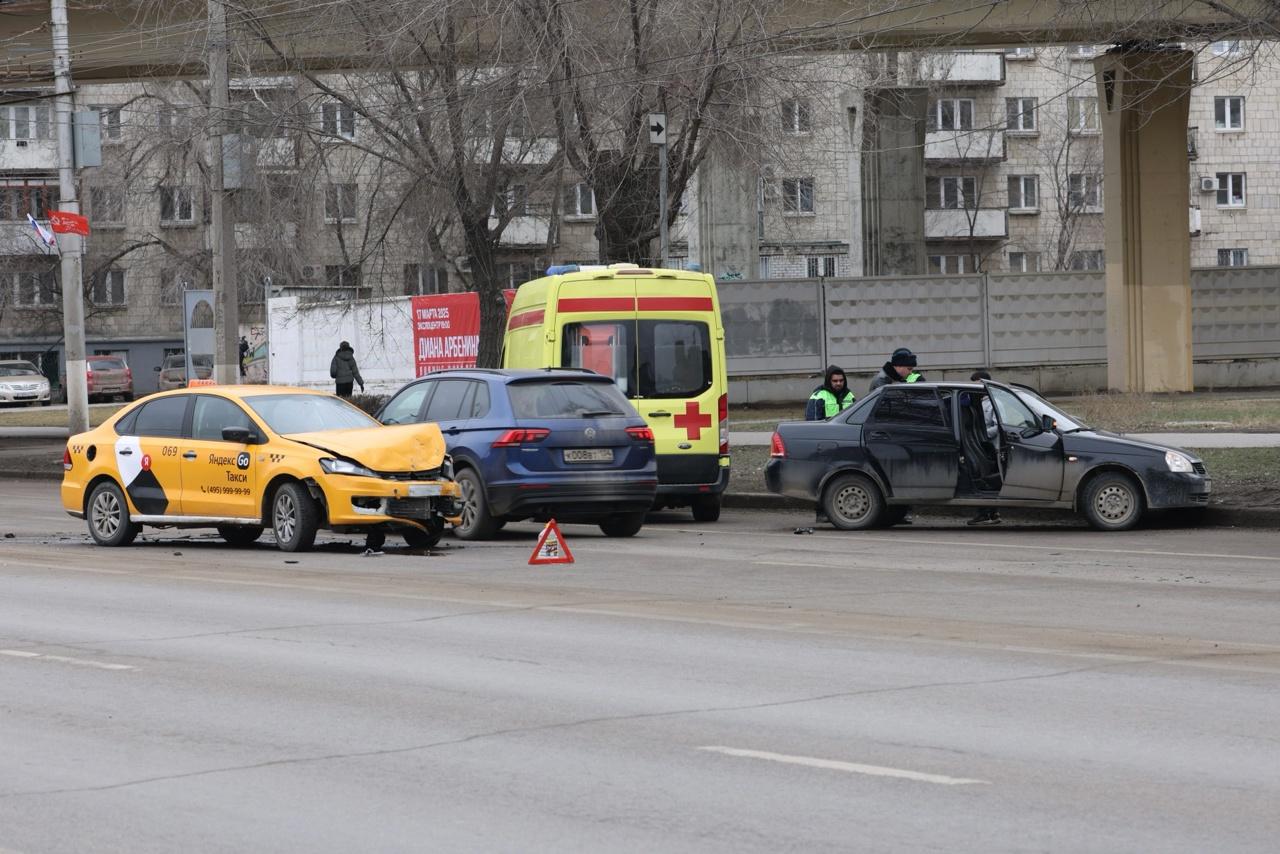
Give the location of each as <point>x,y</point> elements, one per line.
<point>28,155</point>
<point>964,146</point>
<point>989,224</point>
<point>962,69</point>
<point>525,231</point>
<point>19,238</point>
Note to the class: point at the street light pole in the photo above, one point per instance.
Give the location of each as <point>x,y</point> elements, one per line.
<point>222,232</point>
<point>71,246</point>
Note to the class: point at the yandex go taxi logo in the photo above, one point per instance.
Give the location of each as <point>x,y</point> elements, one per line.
<point>146,462</point>
<point>242,460</point>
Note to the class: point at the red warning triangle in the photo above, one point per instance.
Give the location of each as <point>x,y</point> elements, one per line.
<point>551,547</point>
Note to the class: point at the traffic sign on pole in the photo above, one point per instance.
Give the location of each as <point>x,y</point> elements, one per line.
<point>658,128</point>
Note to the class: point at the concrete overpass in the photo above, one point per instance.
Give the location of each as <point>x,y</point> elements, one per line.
<point>1143,93</point>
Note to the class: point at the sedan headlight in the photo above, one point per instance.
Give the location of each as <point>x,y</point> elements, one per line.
<point>332,466</point>
<point>1178,462</point>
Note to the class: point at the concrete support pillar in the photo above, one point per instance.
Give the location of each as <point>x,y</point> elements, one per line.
<point>893,182</point>
<point>728,247</point>
<point>1143,97</point>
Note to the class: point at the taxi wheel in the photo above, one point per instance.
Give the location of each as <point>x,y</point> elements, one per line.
<point>476,523</point>
<point>415,538</point>
<point>706,508</point>
<point>240,535</point>
<point>624,525</point>
<point>295,518</point>
<point>1112,501</point>
<point>108,516</point>
<point>853,502</point>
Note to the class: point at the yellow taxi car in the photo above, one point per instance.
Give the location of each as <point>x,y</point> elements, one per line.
<point>241,458</point>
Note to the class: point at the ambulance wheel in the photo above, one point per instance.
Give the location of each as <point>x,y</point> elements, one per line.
<point>415,538</point>
<point>476,523</point>
<point>295,517</point>
<point>108,516</point>
<point>706,508</point>
<point>240,535</point>
<point>853,502</point>
<point>623,525</point>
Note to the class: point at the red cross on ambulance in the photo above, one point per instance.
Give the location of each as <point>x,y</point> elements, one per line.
<point>692,420</point>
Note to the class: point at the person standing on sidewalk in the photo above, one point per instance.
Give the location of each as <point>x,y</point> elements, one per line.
<point>901,368</point>
<point>830,398</point>
<point>344,370</point>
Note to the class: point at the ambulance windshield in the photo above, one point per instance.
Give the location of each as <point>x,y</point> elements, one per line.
<point>646,358</point>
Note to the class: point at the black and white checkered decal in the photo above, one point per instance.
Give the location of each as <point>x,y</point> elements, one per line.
<point>145,491</point>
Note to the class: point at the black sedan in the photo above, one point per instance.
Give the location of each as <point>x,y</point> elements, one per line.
<point>981,445</point>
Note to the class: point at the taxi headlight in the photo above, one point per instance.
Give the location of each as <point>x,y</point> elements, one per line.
<point>1177,462</point>
<point>332,466</point>
<point>446,467</point>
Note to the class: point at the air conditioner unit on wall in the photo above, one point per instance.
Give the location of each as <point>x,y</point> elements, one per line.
<point>1208,184</point>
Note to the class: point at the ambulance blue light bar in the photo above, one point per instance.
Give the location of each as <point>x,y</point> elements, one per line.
<point>561,269</point>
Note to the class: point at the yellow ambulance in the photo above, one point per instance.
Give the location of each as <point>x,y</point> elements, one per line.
<point>658,333</point>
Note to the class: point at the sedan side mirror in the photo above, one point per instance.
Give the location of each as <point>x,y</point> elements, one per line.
<point>239,435</point>
<point>1047,423</point>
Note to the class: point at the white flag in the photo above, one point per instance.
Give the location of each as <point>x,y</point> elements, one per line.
<point>45,234</point>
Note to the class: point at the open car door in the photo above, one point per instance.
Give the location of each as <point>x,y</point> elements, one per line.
<point>1031,458</point>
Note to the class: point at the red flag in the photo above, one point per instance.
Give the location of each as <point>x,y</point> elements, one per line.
<point>63,222</point>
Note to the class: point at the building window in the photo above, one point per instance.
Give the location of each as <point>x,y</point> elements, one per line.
<point>342,276</point>
<point>33,289</point>
<point>513,274</point>
<point>821,265</point>
<point>1084,192</point>
<point>1087,259</point>
<point>795,116</point>
<point>172,284</point>
<point>1233,257</point>
<point>797,196</point>
<point>579,201</point>
<point>340,203</point>
<point>107,288</point>
<point>109,118</point>
<point>1082,115</point>
<point>1024,193</point>
<point>174,121</point>
<point>338,120</point>
<point>767,263</point>
<point>26,121</point>
<point>1231,47</point>
<point>106,204</point>
<point>951,265</point>
<point>951,193</point>
<point>1231,189</point>
<point>422,279</point>
<point>175,205</point>
<point>1024,262</point>
<point>1020,115</point>
<point>19,197</point>
<point>1228,113</point>
<point>951,114</point>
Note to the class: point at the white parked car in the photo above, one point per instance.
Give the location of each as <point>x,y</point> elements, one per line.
<point>22,382</point>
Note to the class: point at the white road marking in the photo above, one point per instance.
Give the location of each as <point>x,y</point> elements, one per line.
<point>65,659</point>
<point>975,544</point>
<point>848,767</point>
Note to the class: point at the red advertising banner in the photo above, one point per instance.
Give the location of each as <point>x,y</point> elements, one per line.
<point>64,222</point>
<point>446,330</point>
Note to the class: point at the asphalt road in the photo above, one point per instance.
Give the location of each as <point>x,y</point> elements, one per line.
<point>726,687</point>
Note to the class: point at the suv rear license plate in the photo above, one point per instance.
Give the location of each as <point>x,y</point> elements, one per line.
<point>588,455</point>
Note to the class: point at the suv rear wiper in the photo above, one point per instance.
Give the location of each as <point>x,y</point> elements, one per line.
<point>599,413</point>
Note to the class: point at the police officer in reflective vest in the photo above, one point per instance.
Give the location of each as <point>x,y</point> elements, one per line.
<point>901,368</point>
<point>831,397</point>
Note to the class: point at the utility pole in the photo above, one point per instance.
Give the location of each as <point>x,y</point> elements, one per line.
<point>222,230</point>
<point>658,137</point>
<point>71,246</point>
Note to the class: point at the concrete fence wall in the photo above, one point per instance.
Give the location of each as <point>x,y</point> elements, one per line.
<point>1034,320</point>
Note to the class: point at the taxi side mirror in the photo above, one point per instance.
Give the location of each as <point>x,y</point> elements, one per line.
<point>239,435</point>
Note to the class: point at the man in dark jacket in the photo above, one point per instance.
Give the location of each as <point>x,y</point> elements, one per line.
<point>344,371</point>
<point>901,368</point>
<point>830,398</point>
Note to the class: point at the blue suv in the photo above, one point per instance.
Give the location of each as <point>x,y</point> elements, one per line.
<point>537,444</point>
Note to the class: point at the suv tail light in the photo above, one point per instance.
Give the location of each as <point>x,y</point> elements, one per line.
<point>128,374</point>
<point>88,378</point>
<point>519,436</point>
<point>776,447</point>
<point>723,406</point>
<point>66,458</point>
<point>640,434</point>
